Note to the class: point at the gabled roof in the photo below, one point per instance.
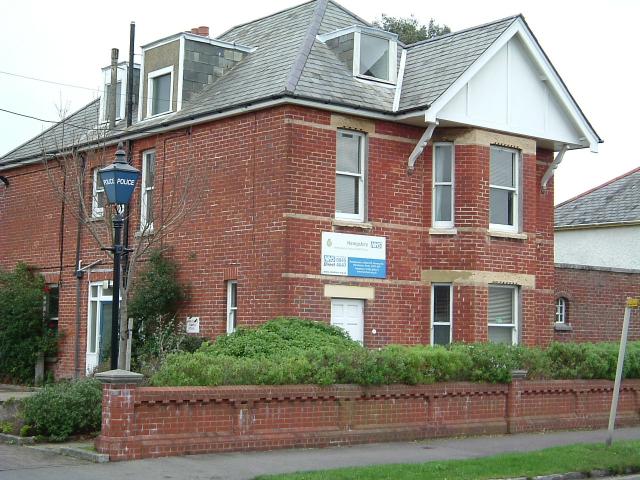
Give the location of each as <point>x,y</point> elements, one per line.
<point>289,63</point>
<point>614,202</point>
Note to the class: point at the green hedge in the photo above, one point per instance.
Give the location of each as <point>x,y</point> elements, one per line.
<point>293,351</point>
<point>63,409</point>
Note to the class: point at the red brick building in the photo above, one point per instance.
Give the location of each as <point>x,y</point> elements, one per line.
<point>597,241</point>
<point>402,192</point>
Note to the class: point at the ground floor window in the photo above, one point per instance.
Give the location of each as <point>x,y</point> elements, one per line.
<point>348,314</point>
<point>232,305</point>
<point>99,325</point>
<point>561,310</point>
<point>503,314</point>
<point>51,305</point>
<point>441,314</point>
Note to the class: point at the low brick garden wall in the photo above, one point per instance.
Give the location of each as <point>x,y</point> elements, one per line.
<point>141,422</point>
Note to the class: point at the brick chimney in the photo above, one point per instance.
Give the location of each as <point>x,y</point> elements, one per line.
<point>202,31</point>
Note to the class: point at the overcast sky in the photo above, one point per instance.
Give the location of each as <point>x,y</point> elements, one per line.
<point>592,44</point>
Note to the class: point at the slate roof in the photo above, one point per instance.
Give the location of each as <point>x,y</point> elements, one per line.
<point>617,201</point>
<point>289,61</point>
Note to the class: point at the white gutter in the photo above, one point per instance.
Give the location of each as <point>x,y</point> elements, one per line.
<point>549,173</point>
<point>419,148</point>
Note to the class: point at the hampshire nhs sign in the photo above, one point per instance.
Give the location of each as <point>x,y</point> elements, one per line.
<point>354,255</point>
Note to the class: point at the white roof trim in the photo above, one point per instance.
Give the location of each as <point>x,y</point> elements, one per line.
<point>378,32</point>
<point>518,27</point>
<point>201,39</point>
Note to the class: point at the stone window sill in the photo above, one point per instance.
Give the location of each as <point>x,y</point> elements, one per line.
<point>443,231</point>
<point>562,327</point>
<point>511,235</point>
<point>348,223</point>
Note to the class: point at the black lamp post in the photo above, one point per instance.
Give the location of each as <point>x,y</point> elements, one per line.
<point>119,180</point>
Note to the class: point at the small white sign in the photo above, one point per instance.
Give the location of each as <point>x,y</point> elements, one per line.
<point>193,324</point>
<point>353,255</point>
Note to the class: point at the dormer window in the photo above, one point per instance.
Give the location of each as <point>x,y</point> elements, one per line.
<point>374,57</point>
<point>160,91</point>
<point>371,52</point>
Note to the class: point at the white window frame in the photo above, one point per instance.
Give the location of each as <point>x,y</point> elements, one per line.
<point>98,187</point>
<point>393,55</point>
<point>121,101</point>
<point>436,223</point>
<point>360,216</point>
<point>231,285</point>
<point>151,75</point>
<point>516,192</point>
<point>433,322</point>
<point>561,310</point>
<point>144,190</point>
<point>516,308</point>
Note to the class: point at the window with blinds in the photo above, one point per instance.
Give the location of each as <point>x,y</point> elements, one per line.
<point>441,314</point>
<point>504,180</point>
<point>350,175</point>
<point>503,313</point>
<point>443,179</point>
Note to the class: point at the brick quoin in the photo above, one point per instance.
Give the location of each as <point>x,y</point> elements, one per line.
<point>596,300</point>
<point>142,422</point>
<point>263,185</point>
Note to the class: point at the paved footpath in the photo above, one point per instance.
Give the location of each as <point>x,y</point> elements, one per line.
<point>22,463</point>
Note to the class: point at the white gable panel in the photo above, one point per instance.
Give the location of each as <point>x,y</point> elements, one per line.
<point>488,90</point>
<point>528,93</point>
<point>509,93</point>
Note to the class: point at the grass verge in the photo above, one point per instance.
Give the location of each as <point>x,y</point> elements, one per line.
<point>572,458</point>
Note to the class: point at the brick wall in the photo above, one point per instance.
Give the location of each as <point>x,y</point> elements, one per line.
<point>596,299</point>
<point>155,422</point>
<point>262,189</point>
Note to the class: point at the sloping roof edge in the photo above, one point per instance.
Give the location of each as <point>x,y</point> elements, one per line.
<point>598,187</point>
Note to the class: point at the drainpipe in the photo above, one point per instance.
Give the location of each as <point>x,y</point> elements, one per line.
<point>549,173</point>
<point>419,148</point>
<point>79,272</point>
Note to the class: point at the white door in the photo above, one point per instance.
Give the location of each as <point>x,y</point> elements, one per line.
<point>348,314</point>
<point>98,326</point>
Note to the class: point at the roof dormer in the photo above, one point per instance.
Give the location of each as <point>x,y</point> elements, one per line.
<point>178,67</point>
<point>121,90</point>
<point>371,53</point>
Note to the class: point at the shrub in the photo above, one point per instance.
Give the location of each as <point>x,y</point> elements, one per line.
<point>155,298</point>
<point>23,334</point>
<point>294,351</point>
<point>64,409</point>
<point>280,337</point>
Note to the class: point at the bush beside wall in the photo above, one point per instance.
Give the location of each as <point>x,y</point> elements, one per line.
<point>292,351</point>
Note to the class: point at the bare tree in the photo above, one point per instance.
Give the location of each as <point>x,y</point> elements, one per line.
<point>70,169</point>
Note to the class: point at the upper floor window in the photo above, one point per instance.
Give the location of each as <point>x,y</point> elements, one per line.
<point>504,180</point>
<point>160,91</point>
<point>561,310</point>
<point>97,198</point>
<point>443,183</point>
<point>350,175</point>
<point>146,195</point>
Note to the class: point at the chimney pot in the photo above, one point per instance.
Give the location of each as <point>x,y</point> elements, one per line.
<point>203,31</point>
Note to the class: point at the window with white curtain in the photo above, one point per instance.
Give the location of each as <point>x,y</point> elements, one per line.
<point>443,185</point>
<point>504,179</point>
<point>98,195</point>
<point>146,191</point>
<point>503,314</point>
<point>350,176</point>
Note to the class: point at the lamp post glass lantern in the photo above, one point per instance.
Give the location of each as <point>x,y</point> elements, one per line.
<point>119,180</point>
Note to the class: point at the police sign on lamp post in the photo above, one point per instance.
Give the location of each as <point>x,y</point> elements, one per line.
<point>119,180</point>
